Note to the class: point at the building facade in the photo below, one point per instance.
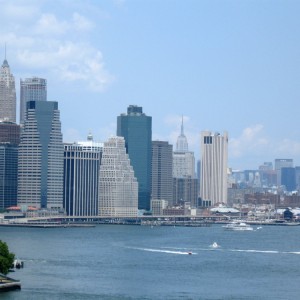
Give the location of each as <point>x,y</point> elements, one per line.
<point>41,157</point>
<point>185,190</point>
<point>214,157</point>
<point>282,163</point>
<point>7,94</point>
<point>162,180</point>
<point>136,128</point>
<point>9,141</point>
<point>81,178</point>
<point>31,89</point>
<point>118,187</point>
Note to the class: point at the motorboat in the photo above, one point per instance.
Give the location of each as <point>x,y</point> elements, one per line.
<point>214,245</point>
<point>238,226</point>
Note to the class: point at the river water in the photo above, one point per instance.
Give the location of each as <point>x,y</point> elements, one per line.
<point>140,262</point>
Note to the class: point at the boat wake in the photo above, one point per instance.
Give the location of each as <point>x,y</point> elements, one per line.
<point>166,251</point>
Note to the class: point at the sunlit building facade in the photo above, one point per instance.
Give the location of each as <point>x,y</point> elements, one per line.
<point>118,187</point>
<point>81,178</point>
<point>41,157</point>
<point>214,157</point>
<point>31,89</point>
<point>7,94</point>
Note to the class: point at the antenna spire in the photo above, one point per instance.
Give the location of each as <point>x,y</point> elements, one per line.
<point>5,50</point>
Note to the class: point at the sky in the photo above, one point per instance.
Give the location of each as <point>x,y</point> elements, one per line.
<point>223,65</point>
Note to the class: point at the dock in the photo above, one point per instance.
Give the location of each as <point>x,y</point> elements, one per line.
<point>9,284</point>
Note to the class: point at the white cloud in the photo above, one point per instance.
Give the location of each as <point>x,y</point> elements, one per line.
<point>52,45</point>
<point>250,141</point>
<point>48,24</point>
<point>81,23</point>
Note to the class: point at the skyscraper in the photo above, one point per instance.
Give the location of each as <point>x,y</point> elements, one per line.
<point>282,163</point>
<point>136,128</point>
<point>214,156</point>
<point>118,187</point>
<point>7,94</point>
<point>41,157</point>
<point>31,89</point>
<point>81,178</point>
<point>162,179</point>
<point>9,140</point>
<point>185,187</point>
<point>183,159</point>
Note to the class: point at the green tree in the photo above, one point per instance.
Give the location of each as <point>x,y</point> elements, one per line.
<point>6,258</point>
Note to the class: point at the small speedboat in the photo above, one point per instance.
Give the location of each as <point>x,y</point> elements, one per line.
<point>214,245</point>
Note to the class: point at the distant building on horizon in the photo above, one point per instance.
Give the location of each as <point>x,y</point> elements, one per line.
<point>118,187</point>
<point>81,177</point>
<point>136,128</point>
<point>162,167</point>
<point>31,89</point>
<point>214,160</point>
<point>282,163</point>
<point>41,157</point>
<point>7,94</point>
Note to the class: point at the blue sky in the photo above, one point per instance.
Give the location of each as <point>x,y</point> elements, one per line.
<point>224,65</point>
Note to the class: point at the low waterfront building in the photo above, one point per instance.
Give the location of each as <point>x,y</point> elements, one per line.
<point>158,206</point>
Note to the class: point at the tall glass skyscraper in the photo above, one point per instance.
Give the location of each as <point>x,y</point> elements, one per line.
<point>136,128</point>
<point>41,157</point>
<point>7,94</point>
<point>31,89</point>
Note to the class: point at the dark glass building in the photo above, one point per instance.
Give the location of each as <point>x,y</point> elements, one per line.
<point>136,128</point>
<point>9,140</point>
<point>288,178</point>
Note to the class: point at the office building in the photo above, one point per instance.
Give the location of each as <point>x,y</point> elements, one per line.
<point>81,177</point>
<point>7,94</point>
<point>9,140</point>
<point>31,89</point>
<point>282,163</point>
<point>288,178</point>
<point>41,157</point>
<point>214,156</point>
<point>9,133</point>
<point>162,180</point>
<point>136,128</point>
<point>118,187</point>
<point>185,187</point>
<point>158,206</point>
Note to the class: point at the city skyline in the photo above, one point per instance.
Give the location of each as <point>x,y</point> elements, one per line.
<point>222,65</point>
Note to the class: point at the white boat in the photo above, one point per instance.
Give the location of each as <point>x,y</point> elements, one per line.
<point>214,245</point>
<point>238,226</point>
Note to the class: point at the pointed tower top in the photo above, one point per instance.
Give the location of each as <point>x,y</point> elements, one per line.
<point>5,63</point>
<point>182,144</point>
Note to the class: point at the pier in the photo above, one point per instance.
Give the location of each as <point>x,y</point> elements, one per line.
<point>9,284</point>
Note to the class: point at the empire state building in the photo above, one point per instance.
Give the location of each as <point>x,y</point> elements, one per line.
<point>7,94</point>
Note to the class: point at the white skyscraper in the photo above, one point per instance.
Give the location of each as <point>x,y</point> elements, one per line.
<point>214,156</point>
<point>118,187</point>
<point>7,94</point>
